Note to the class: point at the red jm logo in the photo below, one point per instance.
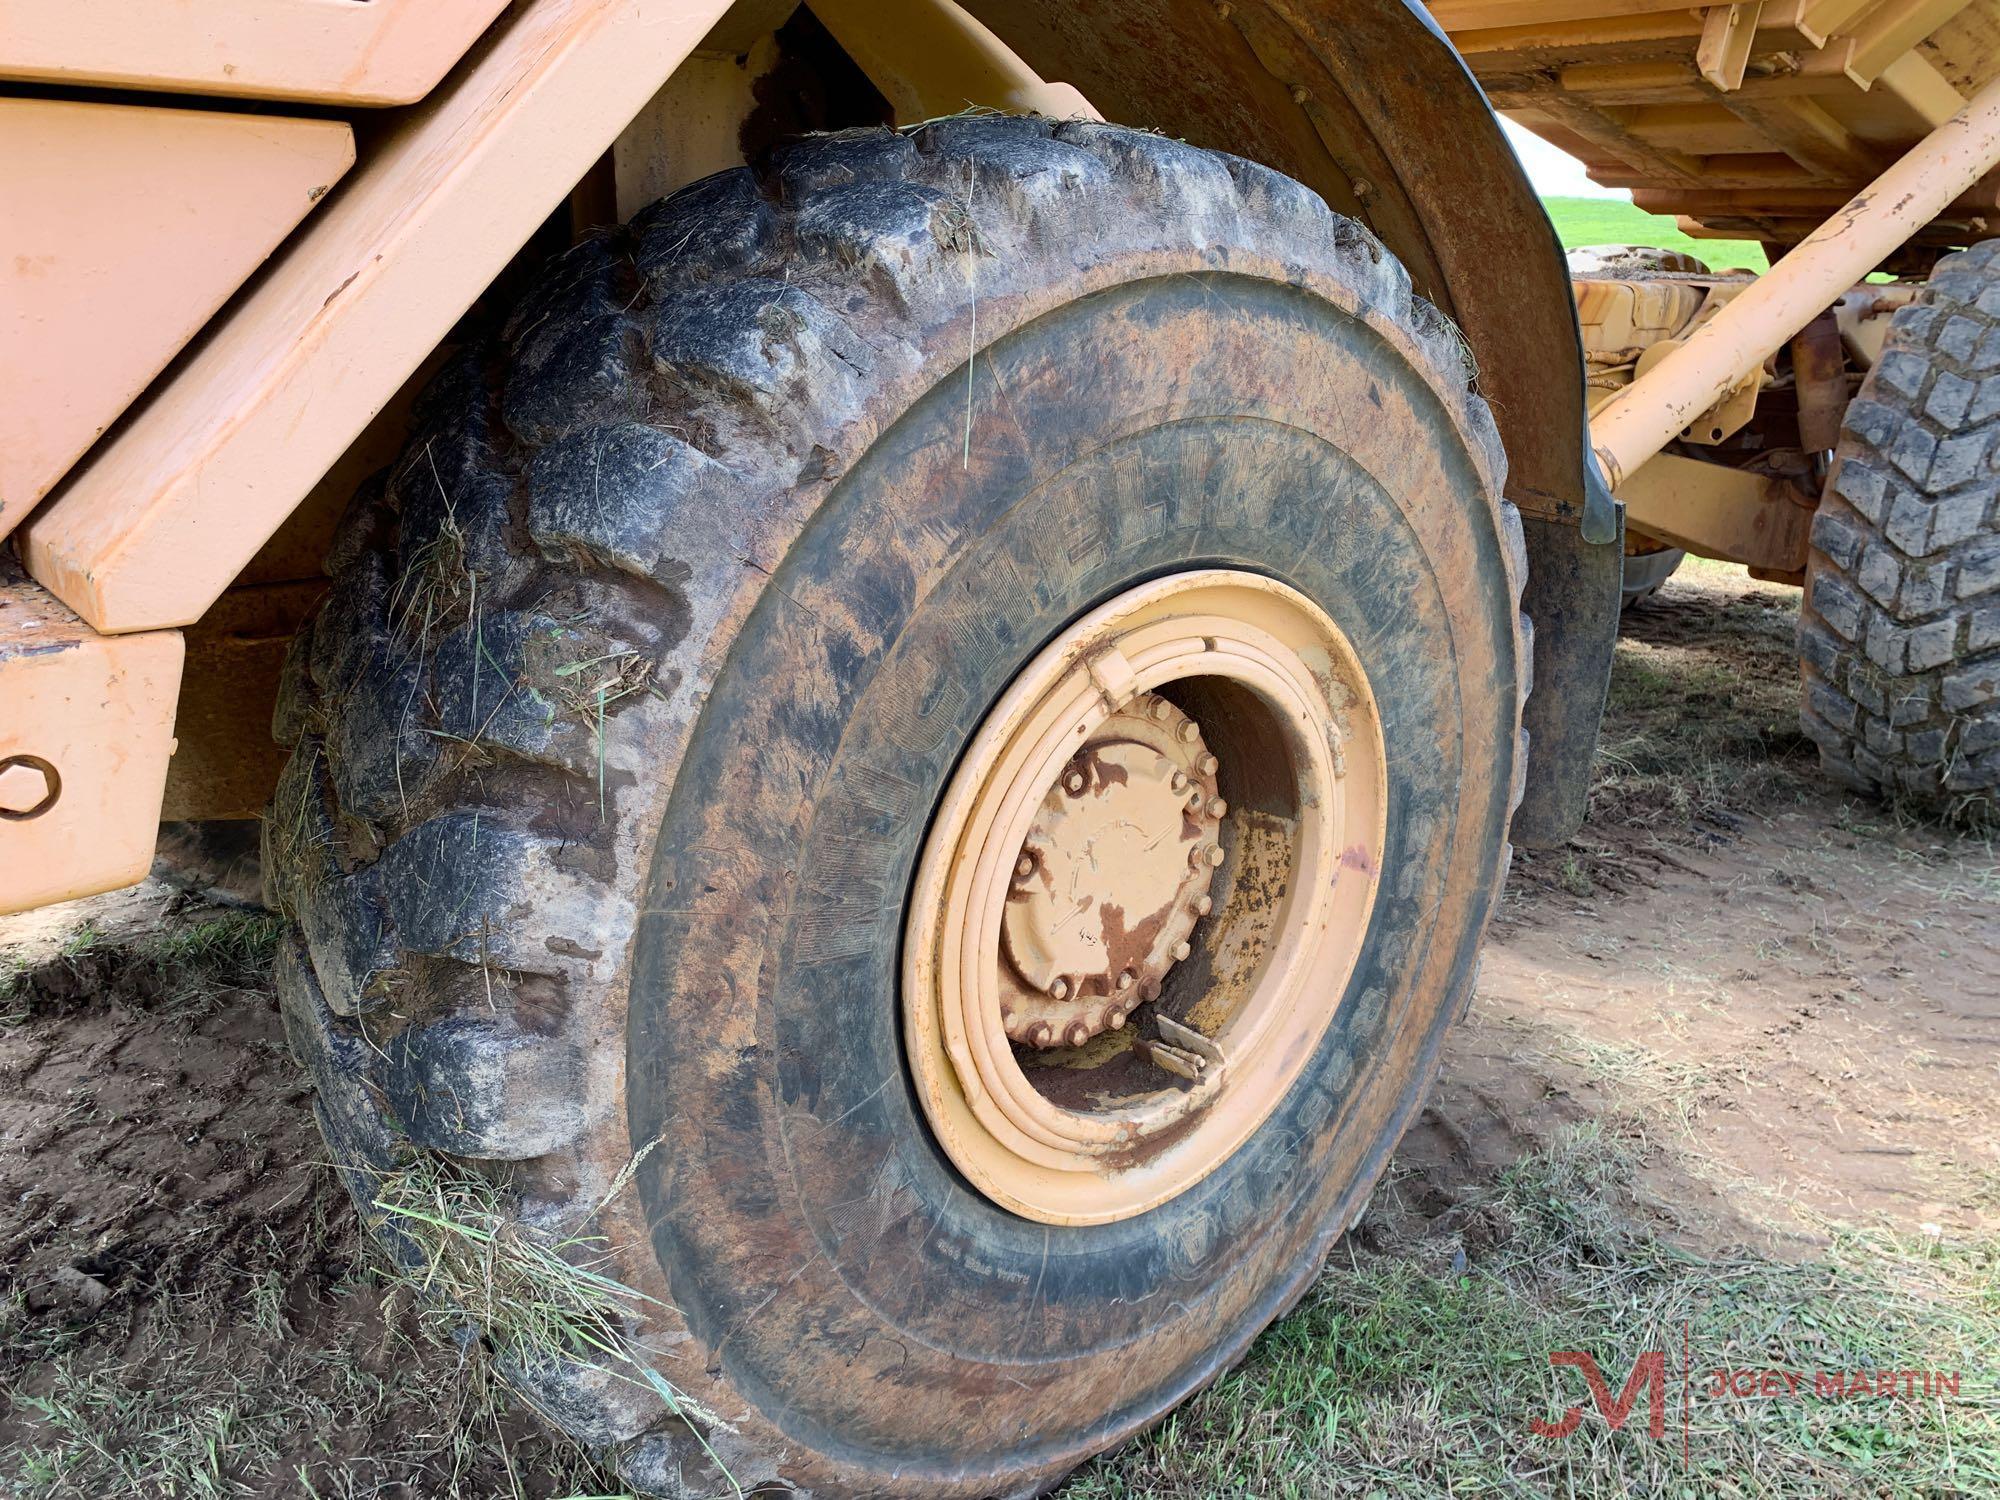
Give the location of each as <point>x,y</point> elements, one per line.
<point>1649,1374</point>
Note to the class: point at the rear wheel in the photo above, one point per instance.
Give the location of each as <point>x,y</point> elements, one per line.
<point>1899,635</point>
<point>1646,571</point>
<point>956,870</point>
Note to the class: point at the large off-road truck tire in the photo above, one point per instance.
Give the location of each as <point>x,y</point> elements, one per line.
<point>1899,635</point>
<point>644,741</point>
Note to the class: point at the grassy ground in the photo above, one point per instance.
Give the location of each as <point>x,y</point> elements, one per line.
<point>1701,723</point>
<point>1415,1370</point>
<point>1613,221</point>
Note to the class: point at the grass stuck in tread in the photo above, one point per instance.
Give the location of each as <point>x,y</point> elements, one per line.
<point>533,1296</point>
<point>1418,1374</point>
<point>529,1294</point>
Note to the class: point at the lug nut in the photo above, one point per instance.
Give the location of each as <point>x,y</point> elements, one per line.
<point>1073,783</point>
<point>1177,782</point>
<point>1059,989</point>
<point>1161,708</point>
<point>1208,764</point>
<point>1217,807</point>
<point>1182,950</point>
<point>1125,979</point>
<point>1025,865</point>
<point>1077,1034</point>
<point>1150,990</point>
<point>1190,731</point>
<point>1039,1034</point>
<point>1215,856</point>
<point>1204,906</point>
<point>1115,1019</point>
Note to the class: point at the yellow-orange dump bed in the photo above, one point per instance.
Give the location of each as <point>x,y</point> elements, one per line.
<point>1752,121</point>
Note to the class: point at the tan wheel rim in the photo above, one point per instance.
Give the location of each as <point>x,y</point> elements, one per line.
<point>1140,904</point>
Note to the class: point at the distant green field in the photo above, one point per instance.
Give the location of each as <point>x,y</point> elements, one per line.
<point>1612,221</point>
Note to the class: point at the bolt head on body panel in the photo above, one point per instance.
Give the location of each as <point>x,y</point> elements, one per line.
<point>28,787</point>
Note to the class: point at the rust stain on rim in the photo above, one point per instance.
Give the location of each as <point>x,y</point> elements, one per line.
<point>1077,1086</point>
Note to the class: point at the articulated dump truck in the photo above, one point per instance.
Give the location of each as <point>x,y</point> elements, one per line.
<point>884,647</point>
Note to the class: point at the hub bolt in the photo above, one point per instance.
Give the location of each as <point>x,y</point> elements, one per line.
<point>1059,989</point>
<point>1115,1018</point>
<point>1204,906</point>
<point>1177,782</point>
<point>1161,708</point>
<point>1190,731</point>
<point>1025,865</point>
<point>1125,978</point>
<point>1217,807</point>
<point>1208,764</point>
<point>1040,1035</point>
<point>1077,1034</point>
<point>1073,783</point>
<point>1182,950</point>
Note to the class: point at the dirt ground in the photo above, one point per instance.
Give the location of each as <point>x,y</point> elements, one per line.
<point>1741,1022</point>
<point>1808,983</point>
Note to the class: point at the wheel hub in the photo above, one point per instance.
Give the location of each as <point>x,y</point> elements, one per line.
<point>1196,765</point>
<point>1112,877</point>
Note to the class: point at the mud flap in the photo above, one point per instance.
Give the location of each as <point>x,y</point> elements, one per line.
<point>1574,593</point>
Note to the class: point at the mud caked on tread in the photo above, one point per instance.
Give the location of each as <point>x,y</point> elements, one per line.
<point>584,853</point>
<point>1899,636</point>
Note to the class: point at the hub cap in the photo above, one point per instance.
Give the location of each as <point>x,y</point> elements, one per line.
<point>1143,896</point>
<point>1112,877</point>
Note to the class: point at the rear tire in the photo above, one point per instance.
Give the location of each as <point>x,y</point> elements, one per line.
<point>1899,634</point>
<point>1646,571</point>
<point>642,674</point>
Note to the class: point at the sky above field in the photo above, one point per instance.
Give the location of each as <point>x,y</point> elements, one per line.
<point>1555,173</point>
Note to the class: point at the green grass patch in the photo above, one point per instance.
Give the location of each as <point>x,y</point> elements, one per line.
<point>1613,221</point>
<point>1418,1373</point>
<point>189,969</point>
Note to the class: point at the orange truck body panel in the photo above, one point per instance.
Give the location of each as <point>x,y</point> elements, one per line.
<point>126,229</point>
<point>160,517</point>
<point>322,51</point>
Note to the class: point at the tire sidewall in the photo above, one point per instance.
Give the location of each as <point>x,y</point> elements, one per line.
<point>808,1228</point>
